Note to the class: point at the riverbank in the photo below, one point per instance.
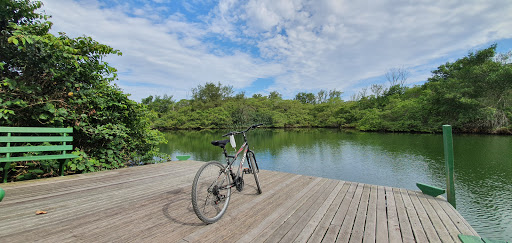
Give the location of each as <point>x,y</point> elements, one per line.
<point>503,131</point>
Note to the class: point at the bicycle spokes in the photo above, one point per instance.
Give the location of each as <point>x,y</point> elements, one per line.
<point>210,192</point>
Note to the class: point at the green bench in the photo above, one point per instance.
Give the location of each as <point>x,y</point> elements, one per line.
<point>14,142</point>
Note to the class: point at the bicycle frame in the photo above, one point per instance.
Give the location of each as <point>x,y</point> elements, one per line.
<point>245,148</point>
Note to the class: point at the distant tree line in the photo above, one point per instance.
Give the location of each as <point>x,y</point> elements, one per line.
<point>473,94</point>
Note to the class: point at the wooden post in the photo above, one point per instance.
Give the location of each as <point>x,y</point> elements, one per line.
<point>448,156</point>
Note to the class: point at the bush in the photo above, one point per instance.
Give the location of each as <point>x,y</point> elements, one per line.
<point>58,81</point>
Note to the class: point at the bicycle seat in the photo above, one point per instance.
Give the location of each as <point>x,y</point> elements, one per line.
<point>220,143</point>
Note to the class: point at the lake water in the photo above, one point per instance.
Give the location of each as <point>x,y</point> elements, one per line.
<point>483,164</point>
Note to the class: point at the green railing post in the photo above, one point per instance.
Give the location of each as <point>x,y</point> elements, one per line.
<point>448,156</point>
<point>2,194</point>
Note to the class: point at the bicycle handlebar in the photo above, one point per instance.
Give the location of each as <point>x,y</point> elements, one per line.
<point>249,128</point>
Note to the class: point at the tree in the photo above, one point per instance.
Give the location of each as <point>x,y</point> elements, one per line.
<point>377,89</point>
<point>473,93</point>
<point>334,95</point>
<point>49,80</point>
<point>211,93</point>
<point>321,97</point>
<point>274,95</point>
<point>159,104</point>
<point>397,76</point>
<point>306,98</point>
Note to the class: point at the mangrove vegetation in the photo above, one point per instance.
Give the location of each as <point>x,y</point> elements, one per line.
<point>473,94</point>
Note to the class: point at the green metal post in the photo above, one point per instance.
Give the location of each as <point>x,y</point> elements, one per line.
<point>2,194</point>
<point>448,156</point>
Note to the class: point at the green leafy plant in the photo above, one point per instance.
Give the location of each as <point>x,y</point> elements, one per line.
<point>51,80</point>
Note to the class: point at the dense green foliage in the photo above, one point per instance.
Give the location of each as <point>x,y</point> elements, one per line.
<point>473,94</point>
<point>58,81</point>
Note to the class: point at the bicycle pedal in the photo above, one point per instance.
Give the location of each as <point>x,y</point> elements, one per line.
<point>247,171</point>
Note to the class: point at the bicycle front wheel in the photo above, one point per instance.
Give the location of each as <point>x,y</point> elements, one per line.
<point>211,191</point>
<point>255,169</point>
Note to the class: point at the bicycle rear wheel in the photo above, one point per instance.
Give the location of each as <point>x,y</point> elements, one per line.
<point>211,191</point>
<point>255,170</point>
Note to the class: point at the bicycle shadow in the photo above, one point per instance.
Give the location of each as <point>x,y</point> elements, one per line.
<point>179,197</point>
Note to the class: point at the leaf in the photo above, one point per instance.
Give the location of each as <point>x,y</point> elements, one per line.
<point>40,212</point>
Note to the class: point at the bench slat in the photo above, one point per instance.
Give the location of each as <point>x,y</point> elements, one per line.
<point>23,139</point>
<point>40,157</point>
<point>22,149</point>
<point>36,129</point>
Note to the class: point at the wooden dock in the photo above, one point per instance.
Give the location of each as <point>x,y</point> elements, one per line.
<point>152,204</point>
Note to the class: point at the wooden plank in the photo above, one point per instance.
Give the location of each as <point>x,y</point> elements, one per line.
<point>95,200</point>
<point>184,219</point>
<point>277,214</point>
<point>286,226</point>
<point>254,209</point>
<point>84,180</point>
<point>35,139</point>
<point>264,210</point>
<point>70,217</point>
<point>359,223</point>
<point>403,218</point>
<point>124,216</point>
<point>370,229</point>
<point>414,219</point>
<point>437,226</point>
<point>36,129</point>
<point>301,222</point>
<point>348,221</point>
<point>337,221</point>
<point>443,217</point>
<point>323,226</point>
<point>455,217</point>
<point>314,222</point>
<point>424,218</point>
<point>23,149</point>
<point>39,157</point>
<point>286,212</point>
<point>246,207</point>
<point>393,222</point>
<point>382,222</point>
<point>108,199</point>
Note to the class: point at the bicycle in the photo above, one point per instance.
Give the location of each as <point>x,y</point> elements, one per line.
<point>212,184</point>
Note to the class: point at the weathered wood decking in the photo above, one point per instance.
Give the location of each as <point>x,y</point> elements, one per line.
<point>152,203</point>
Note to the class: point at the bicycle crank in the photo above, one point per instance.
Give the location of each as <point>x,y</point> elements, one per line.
<point>239,183</point>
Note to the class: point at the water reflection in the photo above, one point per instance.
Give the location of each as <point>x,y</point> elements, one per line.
<point>483,164</point>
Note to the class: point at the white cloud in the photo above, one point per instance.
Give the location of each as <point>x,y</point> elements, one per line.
<point>167,56</point>
<point>335,44</point>
<point>304,44</point>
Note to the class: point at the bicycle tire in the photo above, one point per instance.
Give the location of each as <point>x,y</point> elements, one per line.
<point>211,190</point>
<point>254,167</point>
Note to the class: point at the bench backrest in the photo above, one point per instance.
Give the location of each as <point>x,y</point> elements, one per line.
<point>12,137</point>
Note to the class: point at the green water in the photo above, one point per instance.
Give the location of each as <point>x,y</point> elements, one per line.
<point>483,164</point>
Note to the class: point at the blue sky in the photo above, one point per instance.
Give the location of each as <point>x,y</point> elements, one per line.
<point>259,46</point>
